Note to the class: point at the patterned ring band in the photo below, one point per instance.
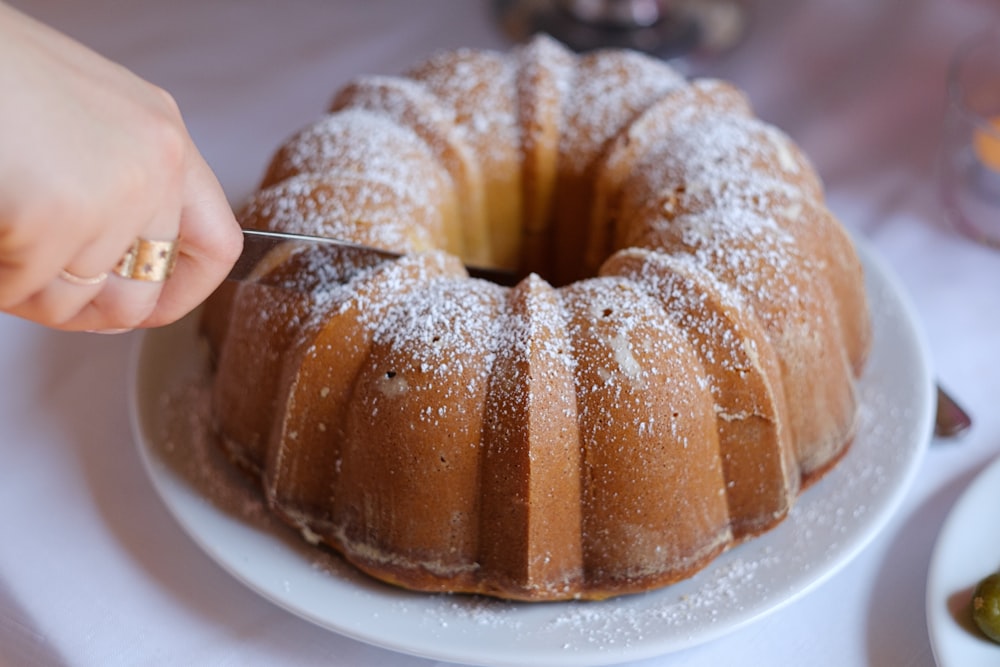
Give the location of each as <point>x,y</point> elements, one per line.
<point>151,261</point>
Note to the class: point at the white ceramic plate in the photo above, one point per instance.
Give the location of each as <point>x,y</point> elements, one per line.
<point>967,549</point>
<point>831,523</point>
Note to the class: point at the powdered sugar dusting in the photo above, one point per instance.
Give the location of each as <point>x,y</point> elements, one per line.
<point>705,151</point>
<point>344,207</point>
<point>746,250</point>
<point>438,327</point>
<point>188,445</point>
<point>355,141</point>
<point>480,86</point>
<point>610,88</point>
<point>407,102</point>
<point>380,163</point>
<point>685,286</point>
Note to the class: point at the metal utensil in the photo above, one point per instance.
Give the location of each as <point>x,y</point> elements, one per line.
<point>258,244</point>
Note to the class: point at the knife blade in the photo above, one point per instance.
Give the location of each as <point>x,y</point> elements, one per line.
<point>264,248</point>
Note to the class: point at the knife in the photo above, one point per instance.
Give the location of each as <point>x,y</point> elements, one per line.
<point>258,246</point>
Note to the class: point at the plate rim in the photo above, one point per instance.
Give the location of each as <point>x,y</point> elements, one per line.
<point>941,624</point>
<point>878,276</point>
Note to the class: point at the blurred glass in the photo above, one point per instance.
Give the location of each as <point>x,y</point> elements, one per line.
<point>971,151</point>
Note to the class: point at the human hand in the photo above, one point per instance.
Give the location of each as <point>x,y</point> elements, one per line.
<point>91,158</point>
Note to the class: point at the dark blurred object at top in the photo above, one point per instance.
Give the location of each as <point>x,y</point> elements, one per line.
<point>665,28</point>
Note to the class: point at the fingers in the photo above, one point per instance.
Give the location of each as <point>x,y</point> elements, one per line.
<point>207,240</point>
<point>210,243</point>
<point>107,300</point>
<point>57,303</point>
<point>37,242</point>
<point>97,158</point>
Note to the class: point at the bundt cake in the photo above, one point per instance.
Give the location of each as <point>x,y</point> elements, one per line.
<point>677,361</point>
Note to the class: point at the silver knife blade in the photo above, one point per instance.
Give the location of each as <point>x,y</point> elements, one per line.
<point>258,245</point>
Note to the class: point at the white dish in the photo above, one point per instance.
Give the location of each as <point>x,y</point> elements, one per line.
<point>831,523</point>
<point>967,549</point>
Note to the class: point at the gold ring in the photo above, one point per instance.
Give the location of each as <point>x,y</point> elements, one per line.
<point>147,260</point>
<point>81,280</point>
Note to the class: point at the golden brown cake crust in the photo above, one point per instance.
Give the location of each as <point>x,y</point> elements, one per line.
<point>677,362</point>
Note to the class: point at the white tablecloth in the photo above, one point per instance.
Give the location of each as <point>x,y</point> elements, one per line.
<point>94,571</point>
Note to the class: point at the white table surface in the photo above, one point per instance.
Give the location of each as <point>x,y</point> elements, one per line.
<point>94,571</point>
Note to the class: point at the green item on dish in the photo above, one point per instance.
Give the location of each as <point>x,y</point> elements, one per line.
<point>986,606</point>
